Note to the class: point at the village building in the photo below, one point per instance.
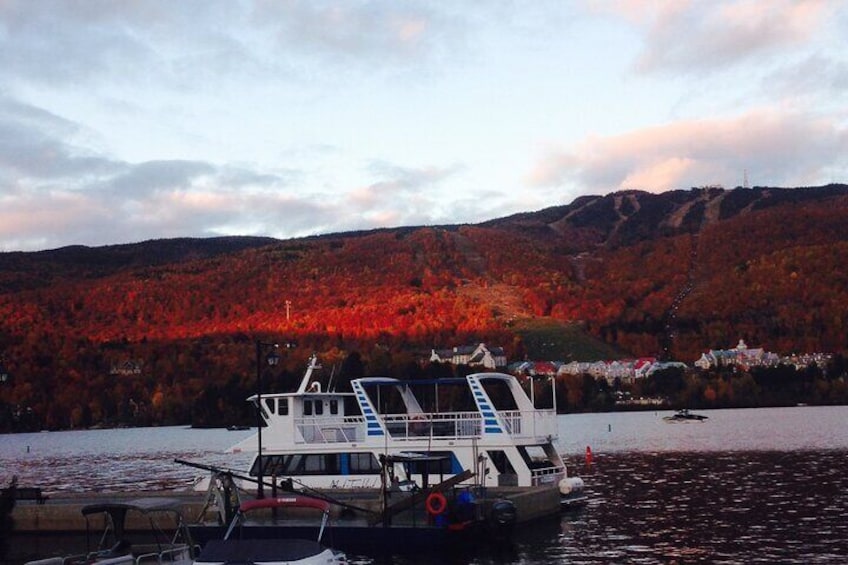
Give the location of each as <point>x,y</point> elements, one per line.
<point>626,371</point>
<point>126,368</point>
<point>471,355</point>
<point>804,360</point>
<point>741,356</point>
<point>535,368</point>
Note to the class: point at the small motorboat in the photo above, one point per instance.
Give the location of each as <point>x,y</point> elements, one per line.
<point>235,548</point>
<point>122,542</point>
<point>685,415</point>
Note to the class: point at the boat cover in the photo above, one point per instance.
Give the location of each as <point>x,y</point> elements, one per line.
<point>247,550</point>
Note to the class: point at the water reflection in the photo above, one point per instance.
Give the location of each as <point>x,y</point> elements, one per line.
<point>690,508</point>
<point>135,459</point>
<point>742,507</point>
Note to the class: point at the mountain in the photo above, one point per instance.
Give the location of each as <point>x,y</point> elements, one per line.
<point>668,274</point>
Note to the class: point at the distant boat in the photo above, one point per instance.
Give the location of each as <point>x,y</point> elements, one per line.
<point>237,428</point>
<point>685,415</point>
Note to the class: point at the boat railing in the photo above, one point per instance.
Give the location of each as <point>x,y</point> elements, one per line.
<point>179,552</point>
<point>352,429</point>
<point>433,424</point>
<point>529,424</point>
<point>344,429</point>
<point>547,475</point>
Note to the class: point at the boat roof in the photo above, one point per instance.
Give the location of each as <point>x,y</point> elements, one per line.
<point>391,381</point>
<point>384,381</point>
<point>293,501</point>
<point>315,394</point>
<point>144,505</point>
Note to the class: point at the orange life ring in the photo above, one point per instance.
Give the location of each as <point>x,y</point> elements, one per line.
<point>436,504</point>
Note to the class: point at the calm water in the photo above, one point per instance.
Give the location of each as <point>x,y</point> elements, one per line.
<point>747,486</point>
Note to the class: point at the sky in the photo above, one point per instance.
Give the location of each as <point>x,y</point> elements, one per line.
<point>128,121</point>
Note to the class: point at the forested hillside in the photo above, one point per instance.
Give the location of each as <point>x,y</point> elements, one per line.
<point>154,330</point>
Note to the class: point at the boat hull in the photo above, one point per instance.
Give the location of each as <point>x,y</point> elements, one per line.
<point>358,537</point>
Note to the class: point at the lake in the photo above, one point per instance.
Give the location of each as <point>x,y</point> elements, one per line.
<point>746,486</point>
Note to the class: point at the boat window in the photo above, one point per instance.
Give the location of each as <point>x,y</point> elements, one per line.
<point>317,464</point>
<point>438,467</point>
<point>277,464</point>
<point>500,395</point>
<point>334,407</point>
<point>501,462</point>
<point>299,464</point>
<point>319,407</point>
<point>363,463</point>
<point>307,407</point>
<point>535,456</point>
<point>313,464</point>
<point>283,407</point>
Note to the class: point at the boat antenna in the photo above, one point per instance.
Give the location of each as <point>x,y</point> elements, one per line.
<point>332,376</point>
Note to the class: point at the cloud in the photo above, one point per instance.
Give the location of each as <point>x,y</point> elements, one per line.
<point>53,192</point>
<point>347,31</point>
<point>122,121</point>
<point>774,147</point>
<point>192,43</point>
<point>402,196</point>
<point>66,42</point>
<point>823,77</point>
<point>689,37</point>
<point>35,143</point>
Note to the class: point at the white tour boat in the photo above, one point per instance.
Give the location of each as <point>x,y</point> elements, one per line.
<point>485,422</point>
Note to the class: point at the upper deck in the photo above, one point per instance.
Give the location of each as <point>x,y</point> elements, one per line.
<point>387,409</point>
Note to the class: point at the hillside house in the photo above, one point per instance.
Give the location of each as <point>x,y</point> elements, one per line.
<point>535,368</point>
<point>471,355</point>
<point>625,370</point>
<point>741,356</point>
<point>804,360</point>
<point>126,368</point>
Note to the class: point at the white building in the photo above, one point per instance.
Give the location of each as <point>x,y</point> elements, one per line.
<point>741,356</point>
<point>474,356</point>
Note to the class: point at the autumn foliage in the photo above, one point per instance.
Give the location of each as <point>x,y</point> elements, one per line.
<point>665,275</point>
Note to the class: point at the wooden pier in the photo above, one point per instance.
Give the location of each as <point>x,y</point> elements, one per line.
<point>57,526</point>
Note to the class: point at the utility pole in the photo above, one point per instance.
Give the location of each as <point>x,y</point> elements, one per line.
<point>272,359</point>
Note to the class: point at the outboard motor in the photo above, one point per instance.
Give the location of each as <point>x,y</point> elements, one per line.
<point>502,518</point>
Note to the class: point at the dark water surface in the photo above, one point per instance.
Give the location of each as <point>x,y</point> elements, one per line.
<point>728,507</point>
<point>746,486</point>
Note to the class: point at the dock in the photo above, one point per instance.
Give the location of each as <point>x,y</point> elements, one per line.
<point>63,513</point>
<point>57,525</point>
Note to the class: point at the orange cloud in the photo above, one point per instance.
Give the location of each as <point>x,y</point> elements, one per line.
<point>779,148</point>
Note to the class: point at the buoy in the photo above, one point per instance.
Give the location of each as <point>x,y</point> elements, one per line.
<point>588,455</point>
<point>609,427</point>
<point>435,504</point>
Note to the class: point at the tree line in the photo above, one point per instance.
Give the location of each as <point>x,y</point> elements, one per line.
<point>218,398</point>
<point>725,387</point>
